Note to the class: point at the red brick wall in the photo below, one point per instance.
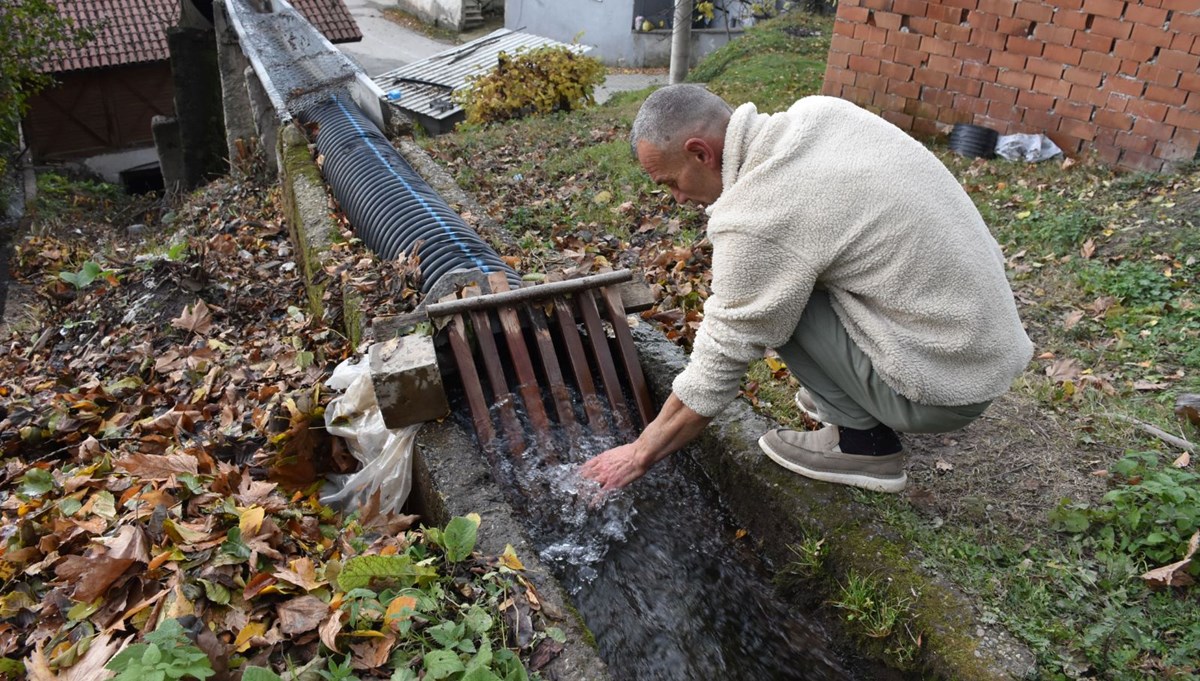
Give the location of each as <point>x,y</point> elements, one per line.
<point>1115,77</point>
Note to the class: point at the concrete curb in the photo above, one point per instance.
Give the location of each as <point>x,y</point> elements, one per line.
<point>450,475</point>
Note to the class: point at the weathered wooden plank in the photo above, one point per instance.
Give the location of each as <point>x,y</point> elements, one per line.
<point>550,366</point>
<point>579,366</point>
<point>527,383</point>
<point>604,360</point>
<point>628,354</point>
<point>470,378</point>
<point>505,400</point>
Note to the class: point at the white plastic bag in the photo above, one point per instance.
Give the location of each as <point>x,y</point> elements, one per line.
<point>386,455</point>
<point>1024,147</point>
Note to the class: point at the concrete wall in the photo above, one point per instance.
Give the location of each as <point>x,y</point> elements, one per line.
<point>444,13</point>
<point>607,26</point>
<point>1114,77</point>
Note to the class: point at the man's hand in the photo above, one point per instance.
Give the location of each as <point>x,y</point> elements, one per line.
<point>615,468</point>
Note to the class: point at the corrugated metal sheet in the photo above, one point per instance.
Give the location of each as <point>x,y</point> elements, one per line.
<point>424,87</point>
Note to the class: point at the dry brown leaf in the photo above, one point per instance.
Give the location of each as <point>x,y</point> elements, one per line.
<point>1184,460</point>
<point>194,318</point>
<point>1064,369</point>
<point>1173,574</point>
<point>1088,249</point>
<point>1149,386</point>
<point>1073,317</point>
<point>330,630</point>
<point>90,667</point>
<point>302,614</point>
<point>302,573</point>
<point>157,467</point>
<point>943,466</point>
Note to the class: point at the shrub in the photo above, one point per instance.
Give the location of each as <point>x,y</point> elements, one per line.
<point>538,81</point>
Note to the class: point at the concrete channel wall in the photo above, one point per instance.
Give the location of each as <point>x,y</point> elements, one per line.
<point>451,476</point>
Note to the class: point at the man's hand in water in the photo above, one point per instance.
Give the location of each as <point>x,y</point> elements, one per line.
<point>616,467</point>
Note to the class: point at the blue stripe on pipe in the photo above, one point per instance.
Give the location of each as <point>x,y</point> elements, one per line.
<point>484,267</point>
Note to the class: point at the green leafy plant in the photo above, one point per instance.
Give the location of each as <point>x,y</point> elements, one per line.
<point>1149,515</point>
<point>167,654</point>
<point>338,672</point>
<point>90,272</point>
<point>538,81</point>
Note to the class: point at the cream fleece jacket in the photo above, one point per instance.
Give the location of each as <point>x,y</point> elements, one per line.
<point>828,195</point>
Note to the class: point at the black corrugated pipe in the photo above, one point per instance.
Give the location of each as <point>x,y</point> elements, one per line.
<point>390,206</point>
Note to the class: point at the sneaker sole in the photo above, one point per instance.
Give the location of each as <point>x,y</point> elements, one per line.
<point>812,414</point>
<point>867,482</point>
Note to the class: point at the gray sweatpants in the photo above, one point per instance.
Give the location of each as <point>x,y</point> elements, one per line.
<point>845,386</point>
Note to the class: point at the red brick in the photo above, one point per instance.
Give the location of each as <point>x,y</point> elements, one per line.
<point>1044,67</point>
<point>1158,75</point>
<point>879,51</point>
<point>1080,76</point>
<point>1131,49</point>
<point>920,109</point>
<point>1186,23</point>
<point>1135,143</point>
<point>871,82</point>
<point>1141,14</point>
<point>1174,150</point>
<point>1166,95</point>
<point>857,15</point>
<point>848,3</point>
<point>1025,46</point>
<point>910,57</point>
<point>838,60</point>
<point>1004,8</point>
<point>1017,79</point>
<point>1077,110</point>
<point>1182,61</point>
<point>900,120</point>
<point>1065,4</point>
<point>947,65</point>
<point>1054,35</point>
<point>1098,61</point>
<point>971,53</point>
<point>1007,60</point>
<point>839,76</point>
<point>945,13</point>
<point>1188,137</point>
<point>1035,100</point>
<point>1183,42</point>
<point>856,94</point>
<point>980,71</point>
<point>904,39</point>
<point>1000,93</point>
<point>965,4</point>
<point>1195,49</point>
<point>1080,129</point>
<point>896,71</point>
<point>1116,103</point>
<point>1144,108</point>
<point>989,39</point>
<point>1151,35</point>
<point>952,115</point>
<point>1104,8</point>
<point>871,34</point>
<point>937,97</point>
<point>1109,154</point>
<point>921,25</point>
<point>1114,28</point>
<point>1129,67</point>
<point>1000,125</point>
<point>930,78</point>
<point>1091,41</point>
<point>912,8</point>
<point>1144,163</point>
<point>965,86</point>
<point>926,127</point>
<point>1056,87</point>
<point>1153,129</point>
<point>1114,120</point>
<point>1068,56</point>
<point>1074,20</point>
<point>1036,120</point>
<point>1091,95</point>
<point>1034,11</point>
<point>937,46</point>
<point>908,88</point>
<point>1187,81</point>
<point>878,4</point>
<point>1013,26</point>
<point>1183,119</point>
<point>982,20</point>
<point>1192,6</point>
<point>974,105</point>
<point>953,32</point>
<point>840,43</point>
<point>1006,112</point>
<point>888,20</point>
<point>844,28</point>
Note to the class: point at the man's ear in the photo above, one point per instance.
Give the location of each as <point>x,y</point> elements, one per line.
<point>699,148</point>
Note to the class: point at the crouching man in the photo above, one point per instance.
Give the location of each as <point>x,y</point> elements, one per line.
<point>850,249</point>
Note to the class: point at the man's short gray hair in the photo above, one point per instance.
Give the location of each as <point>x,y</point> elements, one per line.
<point>678,112</point>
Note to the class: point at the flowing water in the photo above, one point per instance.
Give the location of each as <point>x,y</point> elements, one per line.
<point>659,578</point>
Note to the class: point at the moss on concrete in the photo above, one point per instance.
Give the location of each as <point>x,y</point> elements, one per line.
<point>305,205</point>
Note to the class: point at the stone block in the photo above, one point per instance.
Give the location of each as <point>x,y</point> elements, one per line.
<point>408,385</point>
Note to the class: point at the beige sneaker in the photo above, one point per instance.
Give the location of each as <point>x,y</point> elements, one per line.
<point>815,454</point>
<point>805,403</point>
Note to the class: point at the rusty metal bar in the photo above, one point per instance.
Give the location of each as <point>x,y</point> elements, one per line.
<point>628,354</point>
<point>528,294</point>
<point>600,349</point>
<point>470,380</point>
<point>505,400</point>
<point>527,383</point>
<point>579,366</point>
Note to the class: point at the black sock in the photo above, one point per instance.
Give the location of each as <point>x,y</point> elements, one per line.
<point>878,441</point>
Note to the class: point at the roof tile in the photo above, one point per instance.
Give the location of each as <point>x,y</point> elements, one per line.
<point>135,31</point>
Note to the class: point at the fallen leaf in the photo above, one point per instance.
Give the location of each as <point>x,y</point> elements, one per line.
<point>194,318</point>
<point>330,630</point>
<point>1064,369</point>
<point>301,614</point>
<point>1073,317</point>
<point>156,466</point>
<point>509,559</point>
<point>242,643</point>
<point>1184,460</point>
<point>302,573</point>
<point>1173,574</point>
<point>396,611</point>
<point>1088,249</point>
<point>942,466</point>
<point>1149,386</point>
<point>373,653</point>
<point>250,520</point>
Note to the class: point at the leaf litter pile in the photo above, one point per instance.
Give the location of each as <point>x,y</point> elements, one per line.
<point>163,458</point>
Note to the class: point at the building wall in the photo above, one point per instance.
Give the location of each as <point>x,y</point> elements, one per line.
<point>1115,77</point>
<point>444,13</point>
